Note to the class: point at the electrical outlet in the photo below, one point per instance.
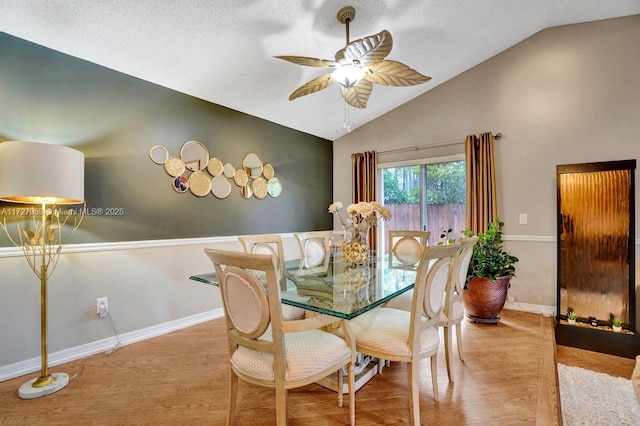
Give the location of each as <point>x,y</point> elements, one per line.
<point>102,307</point>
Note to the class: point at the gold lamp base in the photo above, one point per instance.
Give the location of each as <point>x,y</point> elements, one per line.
<point>39,387</point>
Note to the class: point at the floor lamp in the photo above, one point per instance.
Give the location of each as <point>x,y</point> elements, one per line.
<point>45,176</point>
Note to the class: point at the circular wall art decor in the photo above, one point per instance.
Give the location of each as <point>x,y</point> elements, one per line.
<point>180,184</point>
<point>215,167</point>
<point>240,177</point>
<point>206,174</point>
<point>159,154</point>
<point>220,187</point>
<point>268,172</point>
<point>174,166</point>
<point>259,188</point>
<point>199,183</point>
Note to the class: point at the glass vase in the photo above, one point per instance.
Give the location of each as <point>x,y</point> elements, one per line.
<point>355,247</point>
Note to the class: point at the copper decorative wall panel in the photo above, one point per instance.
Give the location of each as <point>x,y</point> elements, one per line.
<point>594,243</point>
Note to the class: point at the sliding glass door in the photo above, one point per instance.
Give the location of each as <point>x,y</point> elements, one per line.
<point>426,196</point>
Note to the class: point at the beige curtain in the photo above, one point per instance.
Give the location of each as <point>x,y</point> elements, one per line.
<point>365,188</point>
<point>482,204</point>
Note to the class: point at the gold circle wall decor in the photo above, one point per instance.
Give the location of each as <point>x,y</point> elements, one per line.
<point>199,183</point>
<point>220,187</point>
<point>240,177</point>
<point>252,164</point>
<point>214,167</point>
<point>274,187</point>
<point>254,178</point>
<point>195,155</point>
<point>158,154</point>
<point>174,166</point>
<point>228,170</point>
<point>246,191</point>
<point>259,188</point>
<point>268,172</point>
<point>180,184</point>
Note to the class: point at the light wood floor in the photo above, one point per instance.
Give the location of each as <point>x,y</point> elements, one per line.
<point>508,378</point>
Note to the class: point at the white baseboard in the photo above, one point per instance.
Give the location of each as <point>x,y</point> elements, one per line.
<point>34,364</point>
<point>545,310</point>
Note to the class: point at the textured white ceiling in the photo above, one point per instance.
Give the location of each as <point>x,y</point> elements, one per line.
<point>222,50</point>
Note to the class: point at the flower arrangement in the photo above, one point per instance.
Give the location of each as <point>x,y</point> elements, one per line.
<point>360,217</point>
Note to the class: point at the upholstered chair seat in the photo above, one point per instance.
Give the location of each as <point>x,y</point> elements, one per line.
<point>308,354</point>
<point>385,330</point>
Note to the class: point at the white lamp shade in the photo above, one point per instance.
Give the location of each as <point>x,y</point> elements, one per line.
<point>32,172</point>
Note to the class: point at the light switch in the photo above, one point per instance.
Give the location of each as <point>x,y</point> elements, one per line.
<point>523,218</point>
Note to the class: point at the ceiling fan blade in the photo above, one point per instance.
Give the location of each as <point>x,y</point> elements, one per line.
<point>368,50</point>
<point>309,62</point>
<point>312,86</point>
<point>393,73</point>
<point>358,95</point>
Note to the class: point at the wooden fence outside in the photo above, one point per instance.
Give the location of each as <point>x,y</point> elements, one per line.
<point>440,217</point>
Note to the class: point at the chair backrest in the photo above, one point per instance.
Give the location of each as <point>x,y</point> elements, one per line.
<point>461,263</point>
<point>313,244</point>
<point>432,277</point>
<point>250,309</point>
<point>266,244</point>
<point>458,276</point>
<point>406,247</point>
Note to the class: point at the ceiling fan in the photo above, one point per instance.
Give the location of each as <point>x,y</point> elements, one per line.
<point>356,67</point>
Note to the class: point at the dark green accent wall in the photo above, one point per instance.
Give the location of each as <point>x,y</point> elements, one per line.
<point>114,119</point>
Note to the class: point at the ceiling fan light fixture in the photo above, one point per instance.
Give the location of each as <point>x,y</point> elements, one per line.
<point>348,75</point>
<point>357,67</point>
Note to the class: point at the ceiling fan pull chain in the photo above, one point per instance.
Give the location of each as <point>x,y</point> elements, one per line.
<point>346,124</point>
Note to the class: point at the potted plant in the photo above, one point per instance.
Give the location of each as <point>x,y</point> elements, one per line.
<point>571,316</point>
<point>445,238</point>
<point>616,324</point>
<point>489,275</point>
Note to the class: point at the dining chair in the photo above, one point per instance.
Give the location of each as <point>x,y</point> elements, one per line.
<point>453,311</point>
<point>312,244</point>
<point>267,244</point>
<point>397,335</point>
<point>265,349</point>
<point>405,247</point>
<point>272,245</point>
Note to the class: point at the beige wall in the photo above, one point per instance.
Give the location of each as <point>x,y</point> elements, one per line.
<point>568,94</point>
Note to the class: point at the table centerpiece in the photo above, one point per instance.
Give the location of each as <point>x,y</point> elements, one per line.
<point>360,217</point>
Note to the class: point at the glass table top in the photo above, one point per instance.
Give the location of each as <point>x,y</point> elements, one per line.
<point>328,285</point>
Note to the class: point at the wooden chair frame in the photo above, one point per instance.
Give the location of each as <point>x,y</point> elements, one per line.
<point>453,295</point>
<point>273,243</point>
<point>426,306</point>
<point>233,267</point>
<point>394,237</point>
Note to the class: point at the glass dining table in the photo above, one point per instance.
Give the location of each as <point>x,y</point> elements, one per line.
<point>328,285</point>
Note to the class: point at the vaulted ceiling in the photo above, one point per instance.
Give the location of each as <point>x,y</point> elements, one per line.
<point>223,50</point>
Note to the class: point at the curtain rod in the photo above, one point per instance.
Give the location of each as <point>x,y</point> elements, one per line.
<point>497,137</point>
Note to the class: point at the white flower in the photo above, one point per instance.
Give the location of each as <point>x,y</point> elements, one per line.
<point>335,207</point>
<point>361,215</point>
<point>365,209</point>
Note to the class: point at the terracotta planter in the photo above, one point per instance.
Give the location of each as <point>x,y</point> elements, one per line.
<point>484,299</point>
